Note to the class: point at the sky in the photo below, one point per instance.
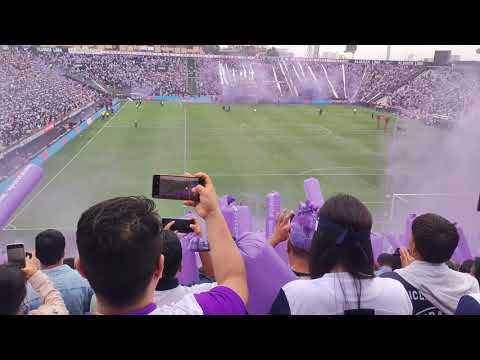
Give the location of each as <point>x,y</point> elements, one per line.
<point>398,52</point>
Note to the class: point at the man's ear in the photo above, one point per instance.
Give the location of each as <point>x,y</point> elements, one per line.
<point>79,268</point>
<point>159,271</point>
<point>412,247</point>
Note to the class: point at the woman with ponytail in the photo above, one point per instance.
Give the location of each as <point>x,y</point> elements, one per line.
<point>342,269</point>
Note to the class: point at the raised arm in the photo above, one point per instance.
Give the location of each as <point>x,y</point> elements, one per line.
<point>52,298</point>
<point>282,228</point>
<point>226,260</point>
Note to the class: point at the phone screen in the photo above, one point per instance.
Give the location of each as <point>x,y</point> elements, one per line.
<point>175,187</point>
<point>180,225</point>
<point>16,254</point>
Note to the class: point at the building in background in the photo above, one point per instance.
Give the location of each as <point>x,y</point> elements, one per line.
<point>332,55</point>
<point>313,51</point>
<point>285,53</point>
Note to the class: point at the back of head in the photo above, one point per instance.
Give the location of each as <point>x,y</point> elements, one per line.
<point>384,259</point>
<point>49,247</point>
<point>466,266</point>
<point>119,245</point>
<point>435,238</point>
<point>172,253</point>
<point>343,238</point>
<point>12,289</point>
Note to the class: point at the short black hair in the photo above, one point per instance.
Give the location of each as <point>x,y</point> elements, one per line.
<point>49,247</point>
<point>466,266</point>
<point>172,256</point>
<point>13,289</point>
<point>119,244</point>
<point>384,259</point>
<point>435,238</point>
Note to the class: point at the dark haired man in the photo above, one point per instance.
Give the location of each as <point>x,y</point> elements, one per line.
<point>120,252</point>
<point>75,290</point>
<point>169,290</point>
<point>433,287</point>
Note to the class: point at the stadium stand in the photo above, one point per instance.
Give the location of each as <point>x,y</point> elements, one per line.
<point>42,89</point>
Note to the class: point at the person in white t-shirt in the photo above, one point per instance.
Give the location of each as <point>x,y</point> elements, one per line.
<point>169,290</point>
<point>342,269</point>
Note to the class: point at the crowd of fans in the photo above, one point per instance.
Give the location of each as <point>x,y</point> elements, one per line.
<point>439,91</point>
<point>127,264</point>
<point>34,90</point>
<point>33,95</point>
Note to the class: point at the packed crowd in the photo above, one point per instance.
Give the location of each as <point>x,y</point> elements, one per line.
<point>34,90</point>
<point>32,95</point>
<point>441,91</point>
<point>128,264</point>
<point>16,159</point>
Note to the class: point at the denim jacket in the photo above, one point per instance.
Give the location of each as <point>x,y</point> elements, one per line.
<point>75,290</point>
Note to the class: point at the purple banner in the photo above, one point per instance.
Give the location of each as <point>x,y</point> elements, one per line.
<point>18,190</point>
<point>266,272</point>
<point>189,273</point>
<point>272,210</point>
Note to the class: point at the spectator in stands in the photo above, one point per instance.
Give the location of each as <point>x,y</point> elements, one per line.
<point>470,304</point>
<point>168,290</point>
<point>298,253</point>
<point>433,288</point>
<point>466,266</point>
<point>385,263</point>
<point>75,290</point>
<point>120,252</point>
<point>342,269</point>
<point>13,290</point>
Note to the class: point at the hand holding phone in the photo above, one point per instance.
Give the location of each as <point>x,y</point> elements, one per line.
<point>175,187</point>
<point>32,265</point>
<point>207,204</point>
<point>180,225</point>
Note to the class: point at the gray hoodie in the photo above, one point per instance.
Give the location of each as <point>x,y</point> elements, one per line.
<point>439,284</point>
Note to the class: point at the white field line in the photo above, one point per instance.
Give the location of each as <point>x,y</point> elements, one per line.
<point>63,168</point>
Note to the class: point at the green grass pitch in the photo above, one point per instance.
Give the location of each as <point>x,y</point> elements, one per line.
<point>246,153</point>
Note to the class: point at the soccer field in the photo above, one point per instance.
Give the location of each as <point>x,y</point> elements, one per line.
<point>247,154</point>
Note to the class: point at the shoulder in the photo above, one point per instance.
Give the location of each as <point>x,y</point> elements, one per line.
<point>391,288</point>
<point>469,305</point>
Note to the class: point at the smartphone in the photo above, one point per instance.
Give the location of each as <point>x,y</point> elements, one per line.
<point>180,225</point>
<point>16,254</point>
<point>175,187</point>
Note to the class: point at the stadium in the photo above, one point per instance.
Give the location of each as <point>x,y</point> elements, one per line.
<point>79,126</point>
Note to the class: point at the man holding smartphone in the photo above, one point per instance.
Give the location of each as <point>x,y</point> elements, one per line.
<point>120,252</point>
